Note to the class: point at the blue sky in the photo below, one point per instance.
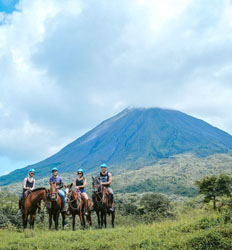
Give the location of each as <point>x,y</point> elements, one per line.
<point>8,6</point>
<point>66,65</point>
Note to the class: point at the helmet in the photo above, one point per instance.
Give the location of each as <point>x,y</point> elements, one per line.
<point>80,170</point>
<point>31,170</point>
<point>54,169</point>
<point>103,165</point>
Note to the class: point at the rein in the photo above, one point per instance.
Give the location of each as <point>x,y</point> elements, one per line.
<point>100,199</point>
<point>71,201</point>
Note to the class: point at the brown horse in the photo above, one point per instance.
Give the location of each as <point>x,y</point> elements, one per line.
<point>101,203</point>
<point>54,204</point>
<point>76,206</point>
<point>31,204</point>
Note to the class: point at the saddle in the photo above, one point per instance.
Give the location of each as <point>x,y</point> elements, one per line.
<point>26,193</point>
<point>106,191</point>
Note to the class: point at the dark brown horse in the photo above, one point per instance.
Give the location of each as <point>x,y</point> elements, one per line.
<point>76,207</point>
<point>31,204</point>
<point>101,203</point>
<point>54,204</point>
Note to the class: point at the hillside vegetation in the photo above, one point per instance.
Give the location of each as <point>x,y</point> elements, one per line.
<point>143,221</point>
<point>174,177</point>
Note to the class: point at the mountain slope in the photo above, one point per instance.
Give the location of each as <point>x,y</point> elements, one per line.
<point>135,138</point>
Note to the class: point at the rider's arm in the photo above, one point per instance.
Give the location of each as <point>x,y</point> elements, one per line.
<point>61,184</point>
<point>25,183</point>
<point>110,180</point>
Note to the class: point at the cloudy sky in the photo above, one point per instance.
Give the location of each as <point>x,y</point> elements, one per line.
<point>66,65</point>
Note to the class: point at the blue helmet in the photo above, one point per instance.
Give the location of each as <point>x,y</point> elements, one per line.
<point>103,165</point>
<point>80,170</point>
<point>31,170</point>
<point>54,169</point>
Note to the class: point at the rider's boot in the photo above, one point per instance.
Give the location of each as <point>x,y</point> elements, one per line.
<point>111,204</point>
<point>63,207</point>
<point>86,207</point>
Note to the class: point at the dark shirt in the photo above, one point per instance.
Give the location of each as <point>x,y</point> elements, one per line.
<point>57,180</point>
<point>104,178</point>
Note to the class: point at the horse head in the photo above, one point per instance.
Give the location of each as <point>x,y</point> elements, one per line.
<point>53,192</point>
<point>96,183</point>
<point>68,192</point>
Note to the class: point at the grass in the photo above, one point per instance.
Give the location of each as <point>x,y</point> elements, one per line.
<point>193,229</point>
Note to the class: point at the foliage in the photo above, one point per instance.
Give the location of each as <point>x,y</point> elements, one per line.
<point>215,186</point>
<point>145,208</point>
<point>196,229</point>
<point>8,210</point>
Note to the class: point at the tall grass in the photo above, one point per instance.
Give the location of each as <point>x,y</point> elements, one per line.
<point>193,229</point>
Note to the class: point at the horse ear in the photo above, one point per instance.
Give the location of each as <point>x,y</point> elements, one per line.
<point>92,177</point>
<point>65,186</point>
<point>71,185</point>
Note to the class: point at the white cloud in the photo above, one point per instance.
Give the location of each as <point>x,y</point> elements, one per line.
<point>67,65</point>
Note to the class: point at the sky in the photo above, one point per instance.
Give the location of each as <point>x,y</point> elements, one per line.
<point>67,65</point>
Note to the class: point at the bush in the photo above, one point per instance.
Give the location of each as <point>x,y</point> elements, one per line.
<point>210,241</point>
<point>8,210</point>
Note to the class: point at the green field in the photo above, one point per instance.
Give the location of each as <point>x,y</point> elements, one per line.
<point>192,229</point>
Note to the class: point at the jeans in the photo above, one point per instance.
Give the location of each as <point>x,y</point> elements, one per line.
<point>62,195</point>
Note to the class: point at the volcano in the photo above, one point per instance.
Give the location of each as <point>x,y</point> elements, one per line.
<point>132,139</point>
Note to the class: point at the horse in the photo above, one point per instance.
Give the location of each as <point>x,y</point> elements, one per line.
<point>54,204</point>
<point>76,206</point>
<point>30,205</point>
<point>100,198</point>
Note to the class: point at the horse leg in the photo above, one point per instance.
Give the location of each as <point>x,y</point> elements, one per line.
<point>98,218</point>
<point>50,221</point>
<point>32,220</point>
<point>63,220</point>
<point>24,217</point>
<point>83,217</point>
<point>104,217</point>
<point>89,219</point>
<point>112,218</point>
<point>57,220</point>
<point>73,221</point>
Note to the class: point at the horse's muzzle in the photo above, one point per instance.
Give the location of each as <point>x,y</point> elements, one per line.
<point>53,197</point>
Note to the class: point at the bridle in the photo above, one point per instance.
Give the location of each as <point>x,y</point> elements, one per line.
<point>69,200</point>
<point>97,192</point>
<point>53,192</point>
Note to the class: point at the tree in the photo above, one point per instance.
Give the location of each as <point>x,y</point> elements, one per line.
<point>214,186</point>
<point>154,206</point>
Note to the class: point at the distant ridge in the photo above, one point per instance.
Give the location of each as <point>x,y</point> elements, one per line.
<point>132,139</point>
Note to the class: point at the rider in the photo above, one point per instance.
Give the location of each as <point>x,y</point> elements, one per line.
<point>28,185</point>
<point>80,184</point>
<point>106,179</point>
<point>59,182</point>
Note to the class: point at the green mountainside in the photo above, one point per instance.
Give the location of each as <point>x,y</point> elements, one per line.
<point>174,177</point>
<point>133,139</point>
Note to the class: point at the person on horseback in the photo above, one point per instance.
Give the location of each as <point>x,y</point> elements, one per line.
<point>28,185</point>
<point>59,183</point>
<point>106,179</point>
<point>80,183</point>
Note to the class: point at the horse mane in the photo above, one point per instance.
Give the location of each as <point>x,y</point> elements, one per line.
<point>38,189</point>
